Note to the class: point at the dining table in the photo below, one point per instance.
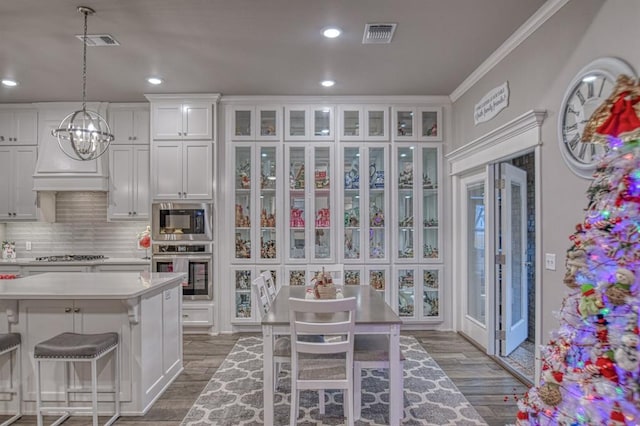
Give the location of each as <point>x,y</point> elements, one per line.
<point>373,316</point>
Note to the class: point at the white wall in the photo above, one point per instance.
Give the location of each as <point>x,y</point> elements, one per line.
<point>538,72</point>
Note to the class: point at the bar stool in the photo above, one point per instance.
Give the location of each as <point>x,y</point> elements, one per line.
<point>70,348</point>
<point>10,342</point>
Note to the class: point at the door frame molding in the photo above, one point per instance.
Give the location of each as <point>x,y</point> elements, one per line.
<point>514,138</point>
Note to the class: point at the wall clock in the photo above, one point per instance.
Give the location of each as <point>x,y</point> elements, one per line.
<point>588,89</point>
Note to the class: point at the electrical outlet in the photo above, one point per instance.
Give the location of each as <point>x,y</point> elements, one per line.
<point>550,261</point>
<point>28,246</point>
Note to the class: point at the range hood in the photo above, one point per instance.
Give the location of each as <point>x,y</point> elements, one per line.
<point>54,170</point>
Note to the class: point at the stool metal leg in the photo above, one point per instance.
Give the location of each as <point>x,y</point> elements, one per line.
<point>94,391</point>
<point>15,383</point>
<point>38,394</point>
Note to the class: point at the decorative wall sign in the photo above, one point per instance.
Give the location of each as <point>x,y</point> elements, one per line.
<point>491,104</point>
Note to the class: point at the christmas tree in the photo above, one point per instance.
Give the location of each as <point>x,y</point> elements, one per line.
<point>590,367</point>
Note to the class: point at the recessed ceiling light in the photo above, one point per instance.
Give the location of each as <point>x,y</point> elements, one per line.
<point>154,80</point>
<point>9,83</point>
<point>328,83</point>
<point>589,78</point>
<point>331,32</point>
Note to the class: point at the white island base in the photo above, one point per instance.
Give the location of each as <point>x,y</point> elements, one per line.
<point>145,309</point>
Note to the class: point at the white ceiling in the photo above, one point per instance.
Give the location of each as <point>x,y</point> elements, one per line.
<point>248,47</point>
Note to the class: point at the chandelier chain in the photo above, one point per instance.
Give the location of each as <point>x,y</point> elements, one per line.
<point>84,63</point>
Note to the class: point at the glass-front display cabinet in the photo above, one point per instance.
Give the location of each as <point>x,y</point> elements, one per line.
<point>417,203</point>
<point>309,123</point>
<point>256,213</point>
<point>255,122</point>
<point>243,296</point>
<point>365,203</point>
<point>417,124</point>
<point>309,209</point>
<point>377,276</point>
<point>296,275</point>
<point>359,123</point>
<point>418,293</point>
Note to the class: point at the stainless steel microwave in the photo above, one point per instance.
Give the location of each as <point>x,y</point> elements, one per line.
<point>181,221</point>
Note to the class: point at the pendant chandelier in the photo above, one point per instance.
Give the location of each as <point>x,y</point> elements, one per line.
<point>83,135</point>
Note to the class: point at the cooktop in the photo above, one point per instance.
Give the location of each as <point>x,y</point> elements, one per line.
<point>71,258</point>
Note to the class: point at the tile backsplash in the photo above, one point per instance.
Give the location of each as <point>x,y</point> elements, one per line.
<point>81,227</point>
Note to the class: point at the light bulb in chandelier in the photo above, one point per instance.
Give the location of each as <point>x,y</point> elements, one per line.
<point>83,135</point>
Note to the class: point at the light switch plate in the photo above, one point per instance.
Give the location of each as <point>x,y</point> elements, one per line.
<point>550,261</point>
<point>28,246</point>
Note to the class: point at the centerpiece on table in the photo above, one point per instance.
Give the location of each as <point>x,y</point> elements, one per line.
<point>323,288</point>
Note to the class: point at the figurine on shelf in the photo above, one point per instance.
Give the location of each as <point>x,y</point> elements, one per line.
<point>431,223</point>
<point>433,131</point>
<point>352,177</point>
<point>377,217</point>
<point>406,280</point>
<point>243,280</point>
<point>242,220</point>
<point>243,172</point>
<point>297,218</point>
<point>426,182</point>
<point>323,219</point>
<point>376,251</point>
<point>297,277</point>
<point>430,279</point>
<point>406,222</point>
<point>376,280</point>
<point>405,179</point>
<point>430,252</point>
<point>243,248</point>
<point>271,220</point>
<point>352,278</point>
<point>268,249</point>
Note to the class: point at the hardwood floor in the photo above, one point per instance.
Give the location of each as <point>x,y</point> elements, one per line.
<point>484,383</point>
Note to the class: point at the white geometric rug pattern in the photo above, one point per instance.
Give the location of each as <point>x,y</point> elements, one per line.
<point>233,396</point>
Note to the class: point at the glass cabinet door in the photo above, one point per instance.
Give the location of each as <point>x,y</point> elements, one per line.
<point>243,201</point>
<point>322,123</point>
<point>431,293</point>
<point>322,203</point>
<point>377,203</point>
<point>296,123</point>
<point>404,122</point>
<point>405,203</point>
<point>377,277</point>
<point>430,205</point>
<point>376,120</point>
<point>243,298</point>
<point>430,122</point>
<point>296,203</point>
<point>406,293</point>
<point>351,126</point>
<point>296,276</point>
<point>268,203</point>
<point>352,204</point>
<point>354,275</point>
<point>268,122</point>
<point>242,127</point>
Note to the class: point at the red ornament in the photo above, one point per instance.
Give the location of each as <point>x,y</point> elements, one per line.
<point>623,118</point>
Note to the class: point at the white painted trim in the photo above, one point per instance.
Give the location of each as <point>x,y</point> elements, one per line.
<point>154,97</point>
<point>538,226</point>
<point>306,100</point>
<point>516,136</point>
<point>536,20</point>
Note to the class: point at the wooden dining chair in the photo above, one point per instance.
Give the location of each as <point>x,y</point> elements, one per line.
<point>326,364</point>
<point>369,351</point>
<point>271,285</point>
<point>335,270</point>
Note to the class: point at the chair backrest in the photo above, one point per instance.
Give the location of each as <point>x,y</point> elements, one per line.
<point>333,317</point>
<point>335,270</point>
<point>260,290</point>
<point>271,285</point>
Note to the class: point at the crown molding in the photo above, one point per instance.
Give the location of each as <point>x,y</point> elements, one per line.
<point>336,99</point>
<point>536,20</point>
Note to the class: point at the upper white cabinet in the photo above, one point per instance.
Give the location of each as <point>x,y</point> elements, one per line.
<point>364,123</point>
<point>176,117</point>
<point>18,126</point>
<point>17,198</point>
<point>262,122</point>
<point>129,123</point>
<point>128,182</point>
<point>417,123</point>
<point>309,123</point>
<point>182,170</point>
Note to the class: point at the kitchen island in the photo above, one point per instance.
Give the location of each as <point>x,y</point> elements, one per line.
<point>144,308</point>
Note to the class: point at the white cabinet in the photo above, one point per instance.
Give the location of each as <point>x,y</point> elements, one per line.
<point>417,123</point>
<point>17,198</point>
<point>182,170</point>
<point>303,123</point>
<point>197,315</point>
<point>191,120</point>
<point>260,122</point>
<point>364,123</point>
<point>122,268</point>
<point>128,182</point>
<point>418,294</point>
<point>129,123</point>
<point>18,127</point>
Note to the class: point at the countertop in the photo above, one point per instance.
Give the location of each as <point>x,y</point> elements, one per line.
<point>31,261</point>
<point>87,285</point>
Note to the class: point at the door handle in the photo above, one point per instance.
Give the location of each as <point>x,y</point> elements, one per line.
<point>76,310</point>
<point>67,310</point>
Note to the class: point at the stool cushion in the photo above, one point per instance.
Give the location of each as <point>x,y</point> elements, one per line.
<point>74,345</point>
<point>9,340</point>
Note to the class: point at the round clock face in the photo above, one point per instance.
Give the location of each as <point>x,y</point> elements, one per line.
<point>587,91</point>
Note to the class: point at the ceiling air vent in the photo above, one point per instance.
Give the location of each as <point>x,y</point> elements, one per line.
<point>96,40</point>
<point>378,33</point>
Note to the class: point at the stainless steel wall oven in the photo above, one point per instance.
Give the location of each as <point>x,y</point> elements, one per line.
<point>195,259</point>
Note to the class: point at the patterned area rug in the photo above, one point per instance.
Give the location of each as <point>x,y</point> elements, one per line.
<point>233,396</point>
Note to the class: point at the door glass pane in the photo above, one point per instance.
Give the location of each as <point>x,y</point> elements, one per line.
<point>268,123</point>
<point>406,293</point>
<point>297,122</point>
<point>351,203</point>
<point>377,229</point>
<point>322,192</point>
<point>352,277</point>
<point>376,123</point>
<point>243,203</point>
<point>430,294</point>
<point>377,280</point>
<point>476,293</point>
<point>405,123</point>
<point>243,123</point>
<point>351,123</point>
<point>297,204</point>
<point>322,122</point>
<point>268,203</point>
<point>429,121</point>
<point>405,203</point>
<point>516,254</point>
<point>298,277</point>
<point>243,293</point>
<point>430,249</point>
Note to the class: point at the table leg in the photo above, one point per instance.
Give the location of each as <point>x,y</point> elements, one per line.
<point>267,346</point>
<point>396,397</point>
